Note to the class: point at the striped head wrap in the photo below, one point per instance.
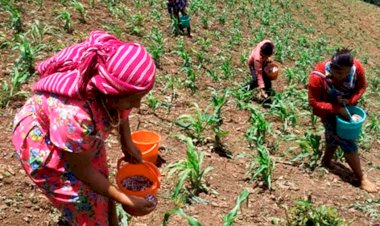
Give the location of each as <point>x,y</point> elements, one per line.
<point>101,62</point>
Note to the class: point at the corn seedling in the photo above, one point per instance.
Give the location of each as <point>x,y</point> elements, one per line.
<point>153,102</point>
<point>310,145</point>
<point>227,68</point>
<point>193,125</point>
<point>242,96</point>
<point>81,10</point>
<point>15,16</point>
<point>222,18</point>
<point>306,213</point>
<point>256,133</point>
<point>190,81</point>
<point>261,166</point>
<point>189,170</point>
<point>157,47</point>
<point>178,211</point>
<point>285,110</point>
<point>213,75</point>
<point>38,30</point>
<point>28,52</point>
<point>230,217</point>
<point>65,17</point>
<point>215,121</point>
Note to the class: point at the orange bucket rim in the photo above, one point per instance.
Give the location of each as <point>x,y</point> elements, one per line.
<point>153,174</point>
<point>149,131</point>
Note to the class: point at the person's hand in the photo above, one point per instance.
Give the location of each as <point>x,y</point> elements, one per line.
<point>341,100</point>
<point>132,154</point>
<point>138,206</point>
<point>343,113</point>
<point>263,94</point>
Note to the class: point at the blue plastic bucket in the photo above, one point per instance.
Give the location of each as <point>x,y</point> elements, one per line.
<point>184,21</point>
<point>350,130</point>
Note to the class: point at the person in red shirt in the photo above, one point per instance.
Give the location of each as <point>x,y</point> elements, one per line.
<point>333,84</point>
<point>260,57</point>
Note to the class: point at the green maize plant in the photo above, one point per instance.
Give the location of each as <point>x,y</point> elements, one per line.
<point>242,96</point>
<point>193,125</point>
<point>184,54</point>
<point>244,57</point>
<point>227,68</point>
<point>285,110</point>
<point>28,52</point>
<point>38,30</point>
<point>178,211</point>
<point>156,15</point>
<point>190,81</point>
<point>205,22</point>
<point>201,59</point>
<point>204,43</point>
<point>261,166</point>
<point>235,38</point>
<point>153,102</point>
<point>230,217</point>
<point>213,75</point>
<point>306,213</point>
<point>15,16</point>
<point>136,22</point>
<point>65,17</point>
<point>256,133</point>
<point>189,170</point>
<point>81,10</point>
<point>222,18</point>
<point>157,47</point>
<point>373,125</point>
<point>215,121</point>
<point>138,4</point>
<point>310,145</point>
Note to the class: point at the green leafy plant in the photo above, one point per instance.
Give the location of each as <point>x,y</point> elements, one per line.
<point>189,170</point>
<point>230,217</point>
<point>178,211</point>
<point>259,127</point>
<point>81,10</point>
<point>261,166</point>
<point>65,17</point>
<point>157,47</point>
<point>310,145</point>
<point>194,125</point>
<point>307,213</point>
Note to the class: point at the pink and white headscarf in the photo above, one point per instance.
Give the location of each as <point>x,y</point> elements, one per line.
<point>101,62</point>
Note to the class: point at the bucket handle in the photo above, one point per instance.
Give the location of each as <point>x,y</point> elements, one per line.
<point>150,169</point>
<point>150,149</point>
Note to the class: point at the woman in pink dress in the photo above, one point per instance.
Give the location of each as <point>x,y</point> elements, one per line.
<point>83,92</point>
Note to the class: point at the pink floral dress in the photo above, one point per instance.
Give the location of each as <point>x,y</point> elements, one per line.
<point>45,127</point>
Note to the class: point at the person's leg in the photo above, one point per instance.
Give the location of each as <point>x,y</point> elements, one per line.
<point>253,83</point>
<point>352,158</point>
<point>331,145</point>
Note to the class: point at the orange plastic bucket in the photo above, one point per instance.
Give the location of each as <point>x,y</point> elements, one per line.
<point>145,169</point>
<point>272,70</point>
<point>148,143</point>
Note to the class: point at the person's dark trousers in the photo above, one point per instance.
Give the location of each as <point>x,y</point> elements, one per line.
<point>254,83</point>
